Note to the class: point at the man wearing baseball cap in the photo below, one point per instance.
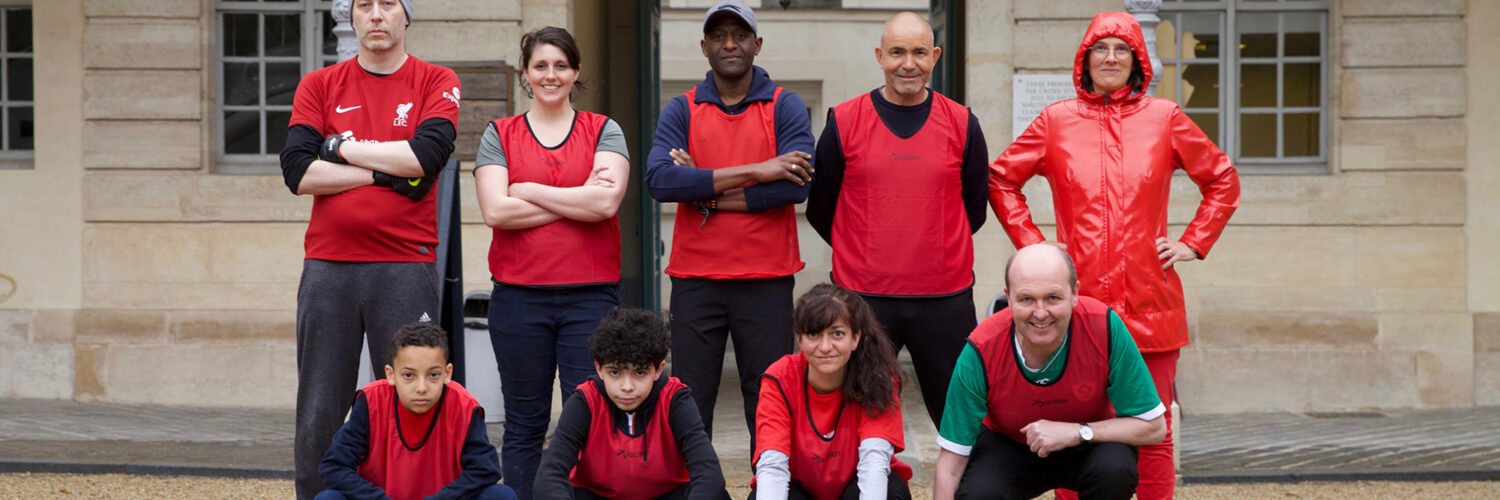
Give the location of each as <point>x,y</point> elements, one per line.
<point>367,138</point>
<point>735,153</point>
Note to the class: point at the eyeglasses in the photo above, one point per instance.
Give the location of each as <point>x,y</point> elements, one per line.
<point>1121,52</point>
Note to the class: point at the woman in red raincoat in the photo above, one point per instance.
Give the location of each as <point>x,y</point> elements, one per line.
<point>1109,156</point>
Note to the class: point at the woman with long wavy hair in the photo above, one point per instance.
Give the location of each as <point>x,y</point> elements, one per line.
<point>828,424</point>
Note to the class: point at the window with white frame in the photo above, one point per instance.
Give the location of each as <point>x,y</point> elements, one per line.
<point>264,48</point>
<point>17,122</point>
<point>1274,114</point>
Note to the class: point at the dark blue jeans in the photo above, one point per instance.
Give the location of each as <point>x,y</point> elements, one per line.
<point>537,332</point>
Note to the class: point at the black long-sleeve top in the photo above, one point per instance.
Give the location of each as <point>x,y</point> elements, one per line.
<point>705,478</point>
<point>432,143</point>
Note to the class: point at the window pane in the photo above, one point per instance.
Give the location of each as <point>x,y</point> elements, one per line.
<point>281,82</point>
<point>241,84</point>
<point>1257,136</point>
<point>1200,35</point>
<point>330,41</point>
<point>1209,123</point>
<point>276,125</point>
<point>1302,84</point>
<point>1257,85</point>
<point>1301,28</point>
<point>1304,44</point>
<point>1257,35</point>
<point>1200,86</point>
<point>283,35</point>
<point>242,132</point>
<point>240,35</point>
<point>1301,134</point>
<point>18,77</point>
<point>21,128</point>
<point>17,30</point>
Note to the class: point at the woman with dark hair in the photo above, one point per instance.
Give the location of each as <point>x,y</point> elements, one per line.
<point>1109,157</point>
<point>828,424</point>
<point>549,182</point>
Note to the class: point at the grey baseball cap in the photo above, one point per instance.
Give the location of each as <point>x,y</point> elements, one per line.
<point>734,8</point>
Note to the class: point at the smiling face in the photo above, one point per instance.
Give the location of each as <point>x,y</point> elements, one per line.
<point>419,374</point>
<point>1110,62</point>
<point>730,46</point>
<point>827,352</point>
<point>906,55</point>
<point>628,385</point>
<point>1041,295</point>
<point>380,25</point>
<point>550,75</point>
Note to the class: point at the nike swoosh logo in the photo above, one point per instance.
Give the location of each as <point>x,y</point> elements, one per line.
<point>342,110</point>
<point>414,182</point>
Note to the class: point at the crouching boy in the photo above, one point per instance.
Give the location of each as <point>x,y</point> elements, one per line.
<point>630,433</point>
<point>416,434</point>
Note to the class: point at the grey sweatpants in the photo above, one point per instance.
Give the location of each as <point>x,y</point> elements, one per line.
<point>338,303</point>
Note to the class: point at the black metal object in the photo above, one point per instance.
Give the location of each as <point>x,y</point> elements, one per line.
<point>997,304</point>
<point>649,44</point>
<point>450,266</point>
<point>947,19</point>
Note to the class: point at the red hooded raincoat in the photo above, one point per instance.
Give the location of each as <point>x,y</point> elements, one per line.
<point>1109,159</point>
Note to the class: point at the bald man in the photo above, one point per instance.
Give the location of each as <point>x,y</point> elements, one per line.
<point>1049,393</point>
<point>900,190</point>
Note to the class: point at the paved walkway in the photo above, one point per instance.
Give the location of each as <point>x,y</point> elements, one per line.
<point>1443,444</point>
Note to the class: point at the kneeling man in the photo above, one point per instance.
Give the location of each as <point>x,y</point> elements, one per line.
<point>1050,393</point>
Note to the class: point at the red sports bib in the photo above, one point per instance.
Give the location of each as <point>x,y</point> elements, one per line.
<point>900,227</point>
<point>824,461</point>
<point>563,252</point>
<point>623,467</point>
<point>1078,395</point>
<point>733,245</point>
<point>412,463</point>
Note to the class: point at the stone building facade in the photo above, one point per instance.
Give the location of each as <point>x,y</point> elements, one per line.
<point>138,264</point>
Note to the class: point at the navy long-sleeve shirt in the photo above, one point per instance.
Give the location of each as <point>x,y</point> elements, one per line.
<point>670,183</point>
<point>904,122</point>
<point>340,466</point>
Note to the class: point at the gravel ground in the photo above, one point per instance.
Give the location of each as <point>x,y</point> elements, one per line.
<point>125,487</point>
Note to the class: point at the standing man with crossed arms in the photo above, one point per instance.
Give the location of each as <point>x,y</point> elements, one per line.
<point>900,192</point>
<point>733,152</point>
<point>367,139</point>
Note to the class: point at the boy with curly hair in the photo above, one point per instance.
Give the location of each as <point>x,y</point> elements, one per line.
<point>629,432</point>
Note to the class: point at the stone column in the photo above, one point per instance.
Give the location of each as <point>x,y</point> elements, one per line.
<point>1145,14</point>
<point>348,43</point>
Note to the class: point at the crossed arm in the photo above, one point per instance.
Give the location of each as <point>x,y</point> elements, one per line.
<point>421,156</point>
<point>525,205</point>
<point>792,167</point>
